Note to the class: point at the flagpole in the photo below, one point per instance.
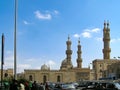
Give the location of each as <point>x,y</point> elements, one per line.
<point>15,30</point>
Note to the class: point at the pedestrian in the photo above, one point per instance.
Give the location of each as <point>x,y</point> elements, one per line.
<point>34,86</point>
<point>30,85</point>
<point>26,85</point>
<point>46,86</point>
<point>14,85</point>
<point>41,86</point>
<point>22,87</point>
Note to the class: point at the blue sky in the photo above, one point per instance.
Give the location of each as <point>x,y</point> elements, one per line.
<point>43,27</point>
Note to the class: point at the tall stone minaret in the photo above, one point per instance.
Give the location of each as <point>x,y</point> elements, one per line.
<point>106,41</point>
<point>79,59</point>
<point>68,53</point>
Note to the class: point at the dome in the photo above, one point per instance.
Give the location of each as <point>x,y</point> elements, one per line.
<point>64,62</point>
<point>45,67</point>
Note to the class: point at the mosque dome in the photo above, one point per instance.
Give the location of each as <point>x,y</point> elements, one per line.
<point>45,67</point>
<point>64,62</point>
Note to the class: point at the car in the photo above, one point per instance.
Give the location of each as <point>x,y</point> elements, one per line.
<point>114,85</point>
<point>109,85</point>
<point>68,87</point>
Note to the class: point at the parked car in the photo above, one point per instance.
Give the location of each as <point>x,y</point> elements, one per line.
<point>68,87</point>
<point>108,86</point>
<point>113,85</point>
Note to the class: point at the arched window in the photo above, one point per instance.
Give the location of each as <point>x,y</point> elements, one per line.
<point>44,79</point>
<point>58,78</point>
<point>30,78</point>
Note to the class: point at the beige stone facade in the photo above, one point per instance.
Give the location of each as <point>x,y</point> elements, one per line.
<point>100,66</point>
<point>57,75</point>
<point>114,70</point>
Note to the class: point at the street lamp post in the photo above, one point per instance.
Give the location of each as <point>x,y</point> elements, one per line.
<point>15,30</point>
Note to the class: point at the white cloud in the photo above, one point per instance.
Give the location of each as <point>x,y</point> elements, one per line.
<point>46,16</point>
<point>76,35</point>
<point>94,30</point>
<point>86,35</point>
<point>114,40</point>
<point>51,63</point>
<point>26,22</point>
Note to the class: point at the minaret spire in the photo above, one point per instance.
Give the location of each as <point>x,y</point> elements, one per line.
<point>104,24</point>
<point>68,38</point>
<point>68,53</point>
<point>107,24</point>
<point>79,59</point>
<point>106,41</point>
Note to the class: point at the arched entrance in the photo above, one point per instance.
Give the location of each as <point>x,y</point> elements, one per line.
<point>30,78</point>
<point>58,78</point>
<point>44,79</point>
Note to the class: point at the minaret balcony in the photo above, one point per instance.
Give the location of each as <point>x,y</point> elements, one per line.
<point>68,51</point>
<point>106,39</point>
<point>106,50</point>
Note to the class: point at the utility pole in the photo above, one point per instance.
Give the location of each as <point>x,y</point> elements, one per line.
<point>15,31</point>
<point>2,60</point>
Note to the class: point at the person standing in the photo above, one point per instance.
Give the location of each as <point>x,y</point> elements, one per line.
<point>34,86</point>
<point>22,87</point>
<point>26,85</point>
<point>14,85</point>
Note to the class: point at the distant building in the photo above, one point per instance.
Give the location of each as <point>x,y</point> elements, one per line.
<point>100,66</point>
<point>7,74</point>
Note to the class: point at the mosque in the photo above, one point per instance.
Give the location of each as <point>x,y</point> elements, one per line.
<point>69,73</point>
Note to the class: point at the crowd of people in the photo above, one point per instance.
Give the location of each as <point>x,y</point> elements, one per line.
<point>25,85</point>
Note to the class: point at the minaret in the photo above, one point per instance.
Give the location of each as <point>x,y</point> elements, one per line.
<point>79,59</point>
<point>68,53</point>
<point>106,41</point>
